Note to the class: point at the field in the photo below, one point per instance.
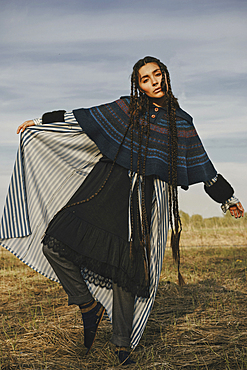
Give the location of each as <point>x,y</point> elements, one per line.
<point>202,325</point>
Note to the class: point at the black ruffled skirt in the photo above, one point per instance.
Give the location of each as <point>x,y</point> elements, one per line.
<point>94,234</point>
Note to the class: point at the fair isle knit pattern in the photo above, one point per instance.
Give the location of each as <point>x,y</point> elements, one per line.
<point>106,125</point>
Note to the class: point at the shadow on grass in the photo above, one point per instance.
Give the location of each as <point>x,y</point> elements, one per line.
<point>200,326</point>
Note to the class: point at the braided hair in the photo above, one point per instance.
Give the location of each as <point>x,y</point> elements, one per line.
<point>139,108</point>
<point>139,121</point>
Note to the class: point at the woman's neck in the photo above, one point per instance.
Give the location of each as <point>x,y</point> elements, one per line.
<point>159,102</point>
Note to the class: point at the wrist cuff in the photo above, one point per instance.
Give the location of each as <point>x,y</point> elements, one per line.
<point>220,191</point>
<point>228,203</point>
<point>55,116</point>
<point>37,121</point>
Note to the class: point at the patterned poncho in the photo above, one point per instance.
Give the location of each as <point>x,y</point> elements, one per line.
<point>106,125</point>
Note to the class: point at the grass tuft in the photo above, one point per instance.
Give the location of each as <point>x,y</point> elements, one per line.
<point>202,325</point>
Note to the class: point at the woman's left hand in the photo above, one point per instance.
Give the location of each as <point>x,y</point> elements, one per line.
<point>237,210</point>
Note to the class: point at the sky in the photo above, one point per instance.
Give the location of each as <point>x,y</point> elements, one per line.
<point>73,54</point>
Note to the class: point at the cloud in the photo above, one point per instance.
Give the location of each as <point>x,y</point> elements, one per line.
<point>49,23</point>
<point>69,54</point>
<point>82,53</point>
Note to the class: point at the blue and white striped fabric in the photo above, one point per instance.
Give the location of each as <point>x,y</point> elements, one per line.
<point>52,162</point>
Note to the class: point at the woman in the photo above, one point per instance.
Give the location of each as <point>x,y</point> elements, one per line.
<point>110,230</point>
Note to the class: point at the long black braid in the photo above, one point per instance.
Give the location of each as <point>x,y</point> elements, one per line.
<point>139,107</point>
<point>139,121</point>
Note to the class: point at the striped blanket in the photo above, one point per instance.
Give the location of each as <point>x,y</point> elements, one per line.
<point>52,162</point>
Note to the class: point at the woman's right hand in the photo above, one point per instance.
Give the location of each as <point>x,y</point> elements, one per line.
<point>24,125</point>
<point>237,210</point>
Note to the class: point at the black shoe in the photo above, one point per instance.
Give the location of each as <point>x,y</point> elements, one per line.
<point>91,320</point>
<point>124,356</point>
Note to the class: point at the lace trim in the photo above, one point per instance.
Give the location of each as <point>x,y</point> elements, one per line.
<point>96,279</point>
<point>97,272</point>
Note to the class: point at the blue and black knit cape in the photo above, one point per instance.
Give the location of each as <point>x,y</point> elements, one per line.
<point>106,125</point>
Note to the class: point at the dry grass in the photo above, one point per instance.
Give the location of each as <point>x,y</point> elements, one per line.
<point>200,326</point>
<point>216,231</point>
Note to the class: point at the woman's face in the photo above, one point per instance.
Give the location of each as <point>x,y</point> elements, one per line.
<point>150,78</point>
